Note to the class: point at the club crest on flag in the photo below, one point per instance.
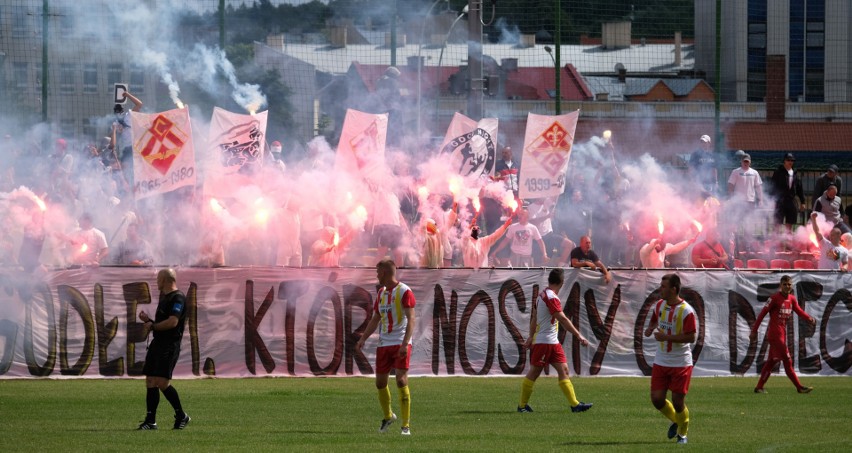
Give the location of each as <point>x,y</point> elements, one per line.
<point>472,144</point>
<point>240,146</point>
<point>163,152</point>
<point>163,143</point>
<point>551,149</point>
<point>365,144</point>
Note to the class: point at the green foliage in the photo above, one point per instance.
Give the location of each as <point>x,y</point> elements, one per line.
<point>448,414</point>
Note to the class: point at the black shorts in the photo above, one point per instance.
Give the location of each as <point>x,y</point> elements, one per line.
<point>786,212</point>
<point>161,359</point>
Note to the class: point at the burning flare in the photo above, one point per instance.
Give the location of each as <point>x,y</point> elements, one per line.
<point>607,135</point>
<point>84,248</point>
<point>697,225</point>
<point>40,203</point>
<point>660,226</point>
<point>509,201</point>
<point>216,206</point>
<point>179,104</point>
<point>455,185</point>
<point>336,240</point>
<point>423,191</point>
<point>476,204</point>
<point>262,214</point>
<point>813,239</point>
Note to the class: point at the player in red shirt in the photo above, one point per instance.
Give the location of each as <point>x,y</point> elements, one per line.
<point>543,343</point>
<point>780,308</point>
<point>393,314</point>
<point>674,326</point>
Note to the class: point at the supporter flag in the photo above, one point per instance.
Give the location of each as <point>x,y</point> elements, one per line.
<point>163,152</point>
<point>547,148</point>
<point>362,142</point>
<point>235,149</point>
<point>473,145</point>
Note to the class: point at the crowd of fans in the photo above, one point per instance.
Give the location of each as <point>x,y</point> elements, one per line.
<point>89,217</point>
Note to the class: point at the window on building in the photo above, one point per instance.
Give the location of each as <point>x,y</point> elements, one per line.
<point>756,86</point>
<point>66,78</point>
<point>815,85</point>
<point>88,130</point>
<point>66,127</point>
<point>816,35</point>
<point>137,79</point>
<point>756,36</point>
<point>21,75</point>
<point>66,21</point>
<point>115,74</point>
<point>90,78</point>
<point>20,22</point>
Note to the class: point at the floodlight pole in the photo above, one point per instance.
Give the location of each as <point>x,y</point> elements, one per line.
<point>474,59</point>
<point>558,60</point>
<point>222,24</point>
<point>44,62</point>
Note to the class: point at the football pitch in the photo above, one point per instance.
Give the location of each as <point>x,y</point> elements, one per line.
<point>448,414</point>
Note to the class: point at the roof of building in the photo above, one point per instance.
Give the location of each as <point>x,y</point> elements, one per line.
<point>525,83</point>
<point>822,136</point>
<point>636,86</point>
<point>648,58</point>
<point>639,87</point>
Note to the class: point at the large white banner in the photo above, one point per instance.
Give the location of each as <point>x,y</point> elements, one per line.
<point>163,152</point>
<point>235,147</point>
<point>472,144</point>
<point>361,148</point>
<point>305,322</point>
<point>547,149</point>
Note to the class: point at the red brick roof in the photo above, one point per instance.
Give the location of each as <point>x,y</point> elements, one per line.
<point>525,83</point>
<point>787,136</point>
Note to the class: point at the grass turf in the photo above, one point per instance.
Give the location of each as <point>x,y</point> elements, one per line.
<point>448,414</point>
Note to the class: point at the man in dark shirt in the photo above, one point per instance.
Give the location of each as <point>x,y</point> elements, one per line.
<point>702,165</point>
<point>164,350</point>
<point>786,186</point>
<point>828,178</point>
<point>584,256</point>
<point>507,171</point>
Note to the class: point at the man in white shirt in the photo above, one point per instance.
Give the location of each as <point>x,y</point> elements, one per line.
<point>745,184</point>
<point>89,245</point>
<point>832,255</point>
<point>521,236</point>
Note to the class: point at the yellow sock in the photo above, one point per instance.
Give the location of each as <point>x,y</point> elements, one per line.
<point>405,404</point>
<point>568,390</point>
<point>669,412</point>
<point>526,392</point>
<point>384,401</point>
<point>683,421</point>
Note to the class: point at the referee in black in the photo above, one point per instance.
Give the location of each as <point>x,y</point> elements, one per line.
<point>164,350</point>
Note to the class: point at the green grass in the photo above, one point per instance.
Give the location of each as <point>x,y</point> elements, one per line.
<point>449,414</point>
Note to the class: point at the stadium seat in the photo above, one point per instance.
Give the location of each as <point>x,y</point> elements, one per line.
<point>803,264</point>
<point>756,264</point>
<point>738,263</point>
<point>779,264</point>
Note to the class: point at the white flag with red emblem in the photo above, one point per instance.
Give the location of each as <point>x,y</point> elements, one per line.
<point>473,145</point>
<point>547,148</point>
<point>235,147</point>
<point>163,152</point>
<point>362,142</point>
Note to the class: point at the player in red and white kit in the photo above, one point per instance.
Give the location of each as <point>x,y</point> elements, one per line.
<point>674,326</point>
<point>394,309</point>
<point>544,346</point>
<point>780,308</point>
